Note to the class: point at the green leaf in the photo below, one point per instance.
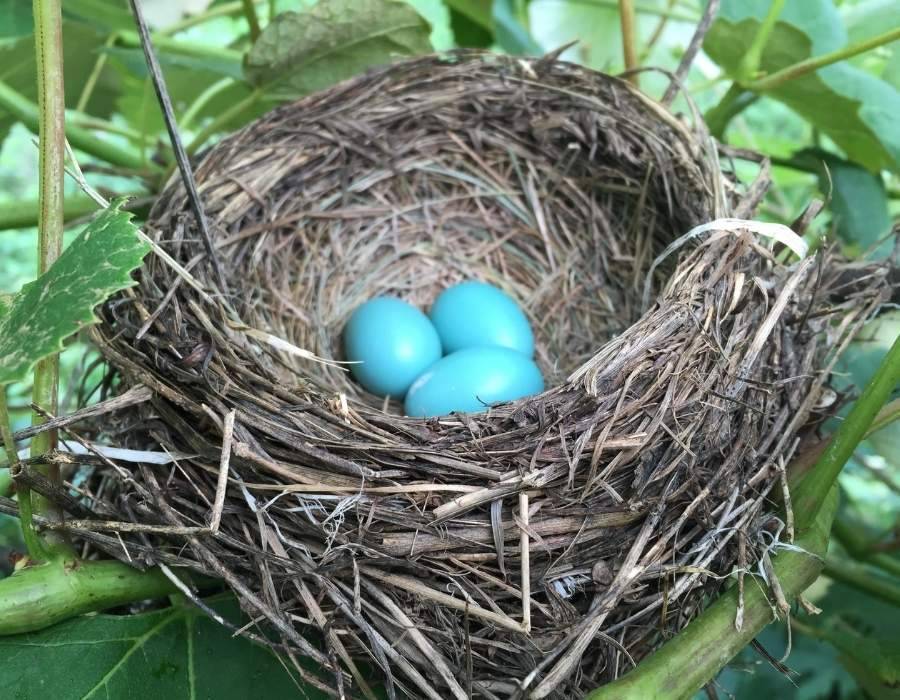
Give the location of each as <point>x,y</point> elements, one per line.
<point>211,63</point>
<point>173,653</point>
<point>477,11</point>
<point>511,28</point>
<point>60,302</point>
<point>110,14</point>
<point>17,18</point>
<point>873,661</point>
<point>437,14</point>
<point>859,203</point>
<point>596,28</point>
<point>301,52</point>
<point>855,109</point>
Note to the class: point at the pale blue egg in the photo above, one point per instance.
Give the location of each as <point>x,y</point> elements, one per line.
<point>393,342</point>
<point>475,314</point>
<point>470,379</point>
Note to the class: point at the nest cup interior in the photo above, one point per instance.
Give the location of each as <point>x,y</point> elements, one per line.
<point>550,194</point>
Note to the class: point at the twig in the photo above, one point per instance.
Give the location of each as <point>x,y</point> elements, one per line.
<point>222,481</point>
<point>696,41</point>
<point>184,165</point>
<point>813,64</point>
<point>252,19</point>
<point>626,15</point>
<point>526,568</point>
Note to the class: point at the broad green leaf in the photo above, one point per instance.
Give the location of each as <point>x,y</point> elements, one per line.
<point>301,52</point>
<point>437,14</point>
<point>177,653</point>
<point>596,28</point>
<point>81,43</point>
<point>511,28</point>
<point>859,204</point>
<point>17,18</point>
<point>855,109</point>
<point>110,14</point>
<point>467,33</point>
<point>477,11</point>
<point>214,64</point>
<point>869,18</point>
<point>873,661</point>
<point>60,302</point>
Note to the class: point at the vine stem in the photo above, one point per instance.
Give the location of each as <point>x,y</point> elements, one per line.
<point>749,65</point>
<point>863,579</point>
<point>814,63</point>
<point>51,167</point>
<point>629,49</point>
<point>39,596</point>
<point>29,114</point>
<point>33,543</point>
<point>252,19</point>
<point>818,482</point>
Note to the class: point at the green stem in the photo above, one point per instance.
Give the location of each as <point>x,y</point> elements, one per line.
<point>863,579</point>
<point>814,63</point>
<point>219,122</point>
<point>33,543</point>
<point>639,8</point>
<point>39,596</point>
<point>91,82</point>
<point>223,10</point>
<point>735,101</point>
<point>851,431</point>
<point>28,113</point>
<point>629,48</point>
<point>202,100</point>
<point>252,19</point>
<point>849,534</point>
<point>164,43</point>
<point>25,214</point>
<point>51,167</point>
<point>749,65</point>
<point>693,657</point>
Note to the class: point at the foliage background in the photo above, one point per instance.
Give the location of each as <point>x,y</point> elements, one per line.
<point>799,126</point>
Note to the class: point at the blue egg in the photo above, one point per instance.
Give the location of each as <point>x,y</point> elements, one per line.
<point>475,314</point>
<point>393,342</point>
<point>468,380</point>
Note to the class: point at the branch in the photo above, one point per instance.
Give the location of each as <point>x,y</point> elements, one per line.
<point>863,579</point>
<point>252,19</point>
<point>24,214</point>
<point>813,64</point>
<point>851,431</point>
<point>39,596</point>
<point>51,166</point>
<point>749,65</point>
<point>33,543</point>
<point>689,660</point>
<point>626,15</point>
<point>28,113</point>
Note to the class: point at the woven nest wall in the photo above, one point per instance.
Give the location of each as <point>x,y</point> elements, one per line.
<point>538,549</point>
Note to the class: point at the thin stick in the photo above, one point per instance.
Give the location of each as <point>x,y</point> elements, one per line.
<point>786,494</point>
<point>685,65</point>
<point>626,14</point>
<point>410,584</point>
<point>184,165</point>
<point>813,64</point>
<point>526,566</point>
<point>222,482</point>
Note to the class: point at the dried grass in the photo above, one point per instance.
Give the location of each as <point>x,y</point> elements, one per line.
<point>535,550</point>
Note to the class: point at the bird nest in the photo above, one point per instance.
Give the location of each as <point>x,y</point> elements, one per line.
<point>537,549</point>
